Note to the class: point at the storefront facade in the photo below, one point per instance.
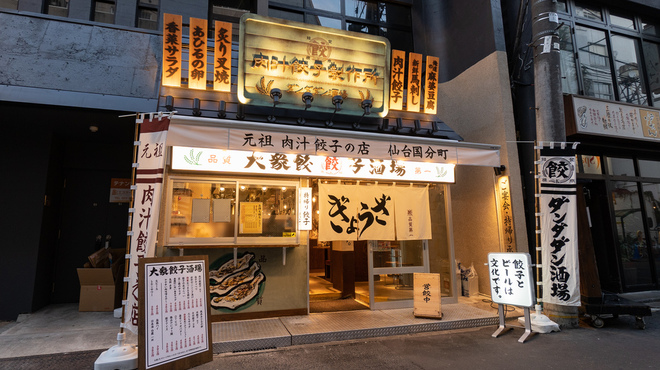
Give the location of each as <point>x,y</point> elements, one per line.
<point>468,217</point>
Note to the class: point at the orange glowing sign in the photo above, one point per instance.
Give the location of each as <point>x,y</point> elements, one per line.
<point>397,79</point>
<point>172,32</point>
<point>414,82</point>
<point>222,57</point>
<point>431,94</point>
<point>197,54</point>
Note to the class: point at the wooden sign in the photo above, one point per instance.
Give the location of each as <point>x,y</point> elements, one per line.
<point>397,79</point>
<point>431,101</point>
<point>172,32</point>
<point>427,299</point>
<point>414,82</point>
<point>197,54</point>
<point>222,57</point>
<point>174,322</point>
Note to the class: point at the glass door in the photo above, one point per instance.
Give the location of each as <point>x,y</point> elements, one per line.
<point>391,268</point>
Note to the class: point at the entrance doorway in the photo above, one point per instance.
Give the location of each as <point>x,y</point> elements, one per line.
<point>338,276</point>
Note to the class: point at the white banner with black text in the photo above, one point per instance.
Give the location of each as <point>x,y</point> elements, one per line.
<point>559,243</point>
<point>146,205</point>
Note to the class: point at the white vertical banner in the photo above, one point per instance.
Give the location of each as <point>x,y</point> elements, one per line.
<point>559,243</point>
<point>146,205</point>
<point>413,219</point>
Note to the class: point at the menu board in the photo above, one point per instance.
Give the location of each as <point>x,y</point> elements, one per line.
<point>174,326</point>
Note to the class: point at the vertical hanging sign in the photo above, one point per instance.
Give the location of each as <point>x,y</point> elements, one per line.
<point>304,208</point>
<point>559,227</point>
<point>431,98</point>
<point>222,57</point>
<point>507,233</point>
<point>397,78</point>
<point>172,33</point>
<point>414,82</point>
<point>144,221</point>
<point>197,54</point>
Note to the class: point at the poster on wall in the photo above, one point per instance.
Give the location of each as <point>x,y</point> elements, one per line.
<point>558,209</point>
<point>175,328</point>
<point>236,284</point>
<point>251,218</point>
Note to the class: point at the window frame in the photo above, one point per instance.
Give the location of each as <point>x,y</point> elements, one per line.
<point>236,240</point>
<point>639,37</point>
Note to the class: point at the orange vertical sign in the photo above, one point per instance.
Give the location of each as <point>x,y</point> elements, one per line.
<point>397,78</point>
<point>172,33</point>
<point>414,82</point>
<point>431,95</point>
<point>197,54</point>
<point>222,57</point>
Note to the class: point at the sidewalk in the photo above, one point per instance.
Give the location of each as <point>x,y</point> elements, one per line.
<point>62,329</point>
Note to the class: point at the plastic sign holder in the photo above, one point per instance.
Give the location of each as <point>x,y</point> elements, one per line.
<point>511,283</point>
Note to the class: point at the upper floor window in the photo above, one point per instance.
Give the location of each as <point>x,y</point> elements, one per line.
<point>609,54</point>
<point>147,14</point>
<point>104,12</point>
<point>9,4</point>
<point>393,21</point>
<point>58,7</point>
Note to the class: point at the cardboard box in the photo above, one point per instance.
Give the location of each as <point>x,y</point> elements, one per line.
<point>97,289</point>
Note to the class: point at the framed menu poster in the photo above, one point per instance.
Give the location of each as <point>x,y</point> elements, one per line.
<point>174,329</point>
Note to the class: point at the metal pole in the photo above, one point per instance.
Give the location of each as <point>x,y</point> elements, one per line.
<point>550,125</point>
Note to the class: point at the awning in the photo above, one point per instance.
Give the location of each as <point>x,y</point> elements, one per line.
<point>254,136</point>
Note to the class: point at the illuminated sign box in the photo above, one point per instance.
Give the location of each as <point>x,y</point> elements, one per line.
<point>268,163</point>
<point>299,58</point>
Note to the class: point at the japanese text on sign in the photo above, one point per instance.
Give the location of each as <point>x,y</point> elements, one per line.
<point>175,311</point>
<point>511,280</point>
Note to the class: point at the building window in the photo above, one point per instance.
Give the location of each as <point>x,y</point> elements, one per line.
<point>58,7</point>
<point>147,14</point>
<point>393,21</point>
<point>104,12</point>
<point>9,4</point>
<point>210,212</point>
<point>609,54</point>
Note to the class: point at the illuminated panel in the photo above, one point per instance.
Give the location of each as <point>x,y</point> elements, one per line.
<point>222,57</point>
<point>197,54</point>
<point>414,82</point>
<point>397,79</point>
<point>431,101</point>
<point>264,163</point>
<point>172,33</point>
<point>297,58</point>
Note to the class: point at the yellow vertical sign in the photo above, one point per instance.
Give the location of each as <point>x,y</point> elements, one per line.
<point>508,235</point>
<point>222,57</point>
<point>431,95</point>
<point>397,78</point>
<point>172,33</point>
<point>414,82</point>
<point>197,54</point>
